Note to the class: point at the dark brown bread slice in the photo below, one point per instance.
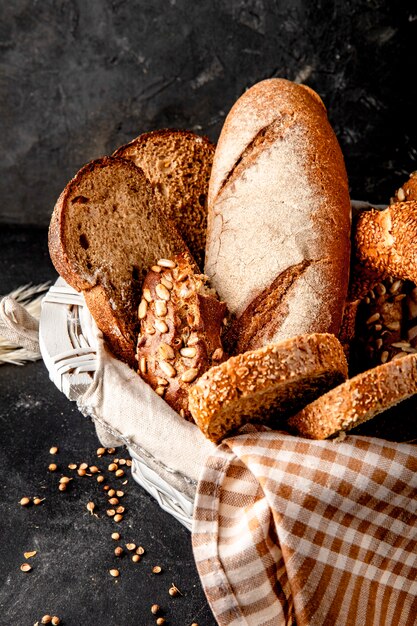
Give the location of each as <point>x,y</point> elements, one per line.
<point>106,231</point>
<point>178,164</point>
<point>267,384</point>
<point>358,399</point>
<point>181,323</point>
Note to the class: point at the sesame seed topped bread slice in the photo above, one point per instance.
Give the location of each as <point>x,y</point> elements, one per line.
<point>178,165</point>
<point>106,231</point>
<point>267,384</point>
<point>358,399</point>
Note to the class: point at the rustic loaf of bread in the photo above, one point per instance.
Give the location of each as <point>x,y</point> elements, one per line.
<point>181,322</point>
<point>278,234</point>
<point>178,164</point>
<point>106,231</point>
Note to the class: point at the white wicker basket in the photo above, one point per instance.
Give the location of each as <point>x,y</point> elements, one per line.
<point>67,344</point>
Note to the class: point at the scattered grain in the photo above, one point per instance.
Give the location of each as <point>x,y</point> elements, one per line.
<point>118,517</point>
<point>29,555</point>
<point>53,450</point>
<point>114,572</point>
<point>52,467</point>
<point>25,567</point>
<point>25,501</point>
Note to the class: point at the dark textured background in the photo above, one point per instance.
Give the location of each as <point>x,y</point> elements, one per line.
<point>78,78</point>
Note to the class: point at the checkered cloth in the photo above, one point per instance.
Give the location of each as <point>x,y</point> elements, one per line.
<point>291,531</point>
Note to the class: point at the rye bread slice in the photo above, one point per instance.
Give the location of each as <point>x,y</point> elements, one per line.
<point>106,231</point>
<point>178,164</point>
<point>267,384</point>
<point>358,399</point>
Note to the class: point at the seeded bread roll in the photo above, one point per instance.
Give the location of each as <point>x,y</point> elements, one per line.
<point>278,233</point>
<point>358,399</point>
<point>105,232</point>
<point>267,384</point>
<point>385,240</point>
<point>180,335</point>
<point>178,165</point>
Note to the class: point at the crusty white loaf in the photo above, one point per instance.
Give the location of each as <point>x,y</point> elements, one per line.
<point>278,238</point>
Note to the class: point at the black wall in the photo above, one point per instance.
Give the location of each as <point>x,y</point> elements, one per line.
<point>80,77</point>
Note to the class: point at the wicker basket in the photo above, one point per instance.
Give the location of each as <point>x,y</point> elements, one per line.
<point>68,348</point>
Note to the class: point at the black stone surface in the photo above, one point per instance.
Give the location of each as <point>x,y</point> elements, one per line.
<point>78,79</point>
<point>70,576</point>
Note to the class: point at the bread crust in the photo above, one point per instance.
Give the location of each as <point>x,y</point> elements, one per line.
<point>266,384</point>
<point>180,181</point>
<point>358,399</point>
<point>278,197</point>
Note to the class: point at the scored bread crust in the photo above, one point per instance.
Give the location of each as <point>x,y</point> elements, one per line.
<point>178,165</point>
<point>113,311</point>
<point>266,384</point>
<point>358,399</point>
<point>279,216</point>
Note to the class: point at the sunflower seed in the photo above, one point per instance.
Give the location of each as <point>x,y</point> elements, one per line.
<point>162,292</point>
<point>373,318</point>
<point>143,366</point>
<point>217,354</point>
<point>143,309</point>
<point>167,263</point>
<point>189,375</point>
<point>161,326</point>
<point>188,352</point>
<point>160,308</point>
<point>168,369</point>
<point>147,294</point>
<point>166,351</point>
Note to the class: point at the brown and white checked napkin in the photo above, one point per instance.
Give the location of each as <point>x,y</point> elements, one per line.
<point>291,531</point>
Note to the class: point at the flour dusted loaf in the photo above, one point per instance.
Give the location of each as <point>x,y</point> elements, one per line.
<point>106,231</point>
<point>181,321</point>
<point>278,235</point>
<point>358,399</point>
<point>178,165</point>
<point>267,384</point>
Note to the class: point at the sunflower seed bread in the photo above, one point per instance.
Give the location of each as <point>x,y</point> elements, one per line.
<point>358,399</point>
<point>178,165</point>
<point>266,385</point>
<point>278,232</point>
<point>181,321</point>
<point>105,232</point>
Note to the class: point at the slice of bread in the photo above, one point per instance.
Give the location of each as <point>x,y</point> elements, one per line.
<point>358,399</point>
<point>178,164</point>
<point>267,384</point>
<point>181,324</point>
<point>106,231</point>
